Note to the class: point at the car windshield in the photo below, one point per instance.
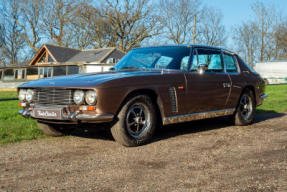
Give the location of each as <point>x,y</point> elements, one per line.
<point>155,58</point>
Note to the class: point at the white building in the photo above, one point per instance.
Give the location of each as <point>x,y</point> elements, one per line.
<point>273,72</point>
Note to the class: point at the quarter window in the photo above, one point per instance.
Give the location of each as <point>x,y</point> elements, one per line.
<point>230,63</point>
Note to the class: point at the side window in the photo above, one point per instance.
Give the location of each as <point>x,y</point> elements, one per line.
<point>184,63</point>
<point>230,63</point>
<point>210,57</point>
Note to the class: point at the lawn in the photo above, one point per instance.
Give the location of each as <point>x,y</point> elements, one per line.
<point>276,100</point>
<point>14,127</point>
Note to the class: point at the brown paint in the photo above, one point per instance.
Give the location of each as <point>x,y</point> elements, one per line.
<point>195,93</point>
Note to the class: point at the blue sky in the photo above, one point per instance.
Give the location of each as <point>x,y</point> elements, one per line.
<point>236,11</point>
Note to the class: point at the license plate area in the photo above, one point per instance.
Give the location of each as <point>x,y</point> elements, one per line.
<point>47,113</point>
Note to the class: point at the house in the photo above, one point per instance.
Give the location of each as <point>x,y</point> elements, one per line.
<point>272,72</point>
<point>51,60</point>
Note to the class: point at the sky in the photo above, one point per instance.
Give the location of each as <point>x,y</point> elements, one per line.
<point>236,11</point>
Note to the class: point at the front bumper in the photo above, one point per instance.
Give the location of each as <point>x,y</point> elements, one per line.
<point>261,99</point>
<point>73,116</point>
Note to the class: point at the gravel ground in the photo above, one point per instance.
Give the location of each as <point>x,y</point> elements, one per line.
<point>209,155</point>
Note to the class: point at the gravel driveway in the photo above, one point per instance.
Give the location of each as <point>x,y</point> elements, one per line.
<point>208,155</point>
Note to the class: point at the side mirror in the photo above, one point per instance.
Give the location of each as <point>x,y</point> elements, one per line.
<point>202,68</point>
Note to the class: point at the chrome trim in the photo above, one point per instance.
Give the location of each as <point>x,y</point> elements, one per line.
<point>263,96</point>
<point>197,116</point>
<point>75,116</point>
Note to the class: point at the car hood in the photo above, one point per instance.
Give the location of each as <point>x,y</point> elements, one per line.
<point>87,79</point>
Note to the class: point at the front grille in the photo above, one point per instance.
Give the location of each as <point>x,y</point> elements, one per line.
<point>53,96</point>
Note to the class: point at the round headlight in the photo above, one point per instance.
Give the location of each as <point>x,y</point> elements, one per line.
<point>22,94</point>
<point>79,97</point>
<point>91,97</point>
<point>30,95</point>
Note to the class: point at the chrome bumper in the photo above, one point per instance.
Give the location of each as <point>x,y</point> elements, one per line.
<point>74,116</point>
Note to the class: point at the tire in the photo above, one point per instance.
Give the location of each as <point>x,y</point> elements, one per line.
<point>54,130</point>
<point>245,110</point>
<point>136,122</point>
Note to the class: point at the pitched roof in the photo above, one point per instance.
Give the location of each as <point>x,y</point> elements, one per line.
<point>94,55</point>
<point>61,54</point>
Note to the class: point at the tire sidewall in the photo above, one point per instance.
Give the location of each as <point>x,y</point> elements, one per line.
<point>239,120</point>
<point>120,128</point>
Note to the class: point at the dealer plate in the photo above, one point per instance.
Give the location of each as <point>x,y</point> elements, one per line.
<point>43,113</point>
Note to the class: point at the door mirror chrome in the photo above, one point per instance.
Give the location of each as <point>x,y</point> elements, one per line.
<point>202,68</point>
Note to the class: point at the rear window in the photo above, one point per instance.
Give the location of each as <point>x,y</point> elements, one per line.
<point>240,60</point>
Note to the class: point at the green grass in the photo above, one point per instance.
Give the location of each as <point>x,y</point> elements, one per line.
<point>276,101</point>
<point>8,94</point>
<point>14,127</point>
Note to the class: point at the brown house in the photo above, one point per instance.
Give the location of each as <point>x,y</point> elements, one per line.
<point>53,60</point>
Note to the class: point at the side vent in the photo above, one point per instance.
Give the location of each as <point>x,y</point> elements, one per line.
<point>173,99</point>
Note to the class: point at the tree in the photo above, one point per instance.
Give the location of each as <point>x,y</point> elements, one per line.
<point>246,39</point>
<point>129,22</point>
<point>179,20</point>
<point>12,43</point>
<point>264,18</point>
<point>212,31</point>
<point>30,22</point>
<point>57,18</point>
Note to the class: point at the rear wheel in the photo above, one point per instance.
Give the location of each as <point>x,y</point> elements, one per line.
<point>245,111</point>
<point>54,129</point>
<point>136,122</point>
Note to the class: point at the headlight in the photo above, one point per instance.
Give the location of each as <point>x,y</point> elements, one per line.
<point>79,97</point>
<point>30,95</point>
<point>91,97</point>
<point>22,94</point>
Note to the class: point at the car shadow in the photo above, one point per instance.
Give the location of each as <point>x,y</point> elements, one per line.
<point>169,131</point>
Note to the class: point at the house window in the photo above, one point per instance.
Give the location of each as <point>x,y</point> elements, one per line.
<point>59,70</point>
<point>32,73</point>
<point>73,69</point>
<point>8,74</point>
<point>45,72</point>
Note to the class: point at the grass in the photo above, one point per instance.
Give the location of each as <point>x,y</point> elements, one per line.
<point>14,127</point>
<point>276,100</point>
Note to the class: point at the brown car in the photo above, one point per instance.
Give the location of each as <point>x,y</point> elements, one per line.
<point>147,88</point>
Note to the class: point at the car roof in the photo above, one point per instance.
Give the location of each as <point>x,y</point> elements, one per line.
<point>189,45</point>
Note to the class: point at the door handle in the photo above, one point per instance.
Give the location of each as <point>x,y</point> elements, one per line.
<point>226,85</point>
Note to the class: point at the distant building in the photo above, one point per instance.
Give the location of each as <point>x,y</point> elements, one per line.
<point>53,60</point>
<point>273,72</point>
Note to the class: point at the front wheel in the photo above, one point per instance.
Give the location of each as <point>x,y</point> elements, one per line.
<point>136,122</point>
<point>245,111</point>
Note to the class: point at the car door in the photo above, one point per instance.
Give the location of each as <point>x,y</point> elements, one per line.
<point>207,91</point>
<point>233,70</point>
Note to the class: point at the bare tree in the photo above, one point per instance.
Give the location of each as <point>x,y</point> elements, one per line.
<point>212,31</point>
<point>179,20</point>
<point>265,21</point>
<point>129,21</point>
<point>12,43</point>
<point>57,19</point>
<point>30,22</point>
<point>247,41</point>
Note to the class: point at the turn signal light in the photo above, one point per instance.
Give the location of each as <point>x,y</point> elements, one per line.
<point>22,104</point>
<point>87,108</point>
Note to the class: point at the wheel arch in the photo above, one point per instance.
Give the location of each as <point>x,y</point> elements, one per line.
<point>149,92</point>
<point>250,87</point>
